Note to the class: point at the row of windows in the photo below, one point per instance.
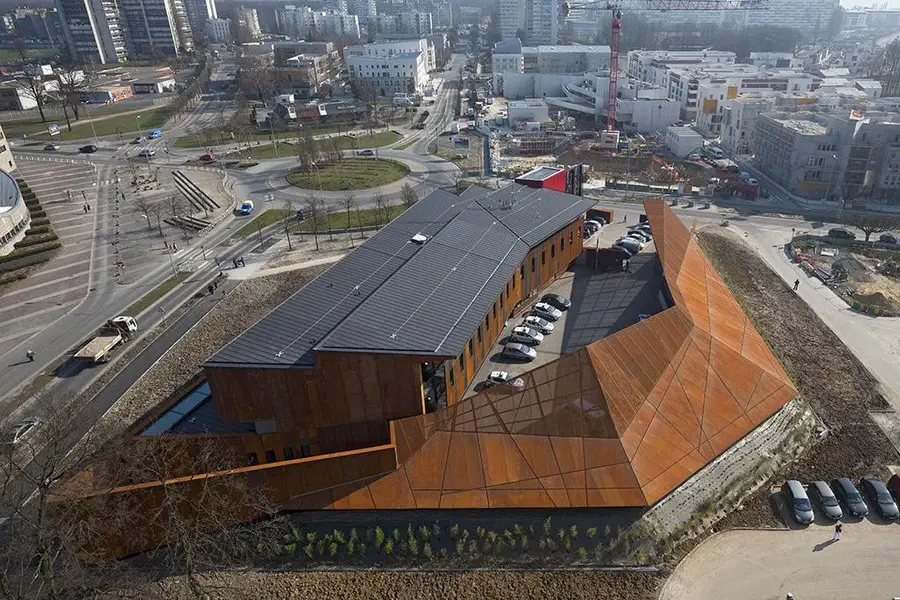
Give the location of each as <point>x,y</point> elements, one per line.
<point>270,456</point>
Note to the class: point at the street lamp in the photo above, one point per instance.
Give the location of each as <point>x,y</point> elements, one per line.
<point>830,178</point>
<point>137,121</point>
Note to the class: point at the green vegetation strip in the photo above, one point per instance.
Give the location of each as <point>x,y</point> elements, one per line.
<point>269,217</point>
<point>350,174</point>
<point>406,145</point>
<point>127,124</point>
<point>8,55</point>
<point>337,221</point>
<point>213,136</point>
<point>164,288</point>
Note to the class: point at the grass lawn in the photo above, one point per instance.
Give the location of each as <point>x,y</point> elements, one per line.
<point>375,140</point>
<point>152,118</point>
<point>265,151</point>
<point>264,219</point>
<point>368,217</point>
<point>11,55</point>
<point>350,174</point>
<point>212,136</point>
<point>346,143</point>
<point>164,288</point>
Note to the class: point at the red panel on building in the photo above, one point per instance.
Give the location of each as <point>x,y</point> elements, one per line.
<point>551,178</point>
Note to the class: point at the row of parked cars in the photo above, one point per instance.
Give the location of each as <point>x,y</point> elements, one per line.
<point>883,498</point>
<point>534,327</point>
<point>839,233</point>
<point>636,238</point>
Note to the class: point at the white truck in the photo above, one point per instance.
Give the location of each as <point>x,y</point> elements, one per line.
<point>117,330</point>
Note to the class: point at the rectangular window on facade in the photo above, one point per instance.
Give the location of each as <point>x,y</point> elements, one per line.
<point>452,380</point>
<point>304,450</point>
<point>501,303</point>
<point>543,257</point>
<point>479,333</point>
<point>532,264</point>
<point>495,307</point>
<point>552,250</point>
<point>288,453</point>
<point>471,352</point>
<point>462,365</point>
<point>487,322</point>
<point>562,243</point>
<point>522,270</point>
<point>270,456</point>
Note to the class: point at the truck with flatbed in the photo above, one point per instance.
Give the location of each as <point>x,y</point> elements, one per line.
<point>117,330</point>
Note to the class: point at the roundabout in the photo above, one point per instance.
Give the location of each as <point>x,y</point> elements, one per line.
<point>350,174</point>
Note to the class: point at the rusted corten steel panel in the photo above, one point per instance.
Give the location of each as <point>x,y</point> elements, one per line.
<point>621,422</point>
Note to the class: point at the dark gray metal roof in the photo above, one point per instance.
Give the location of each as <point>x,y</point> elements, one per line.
<point>393,295</point>
<point>539,174</point>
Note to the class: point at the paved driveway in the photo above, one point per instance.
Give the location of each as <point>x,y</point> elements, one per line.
<point>764,565</point>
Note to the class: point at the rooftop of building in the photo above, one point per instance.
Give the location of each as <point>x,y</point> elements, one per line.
<point>558,48</point>
<point>801,126</point>
<point>526,103</point>
<point>540,174</point>
<point>397,295</point>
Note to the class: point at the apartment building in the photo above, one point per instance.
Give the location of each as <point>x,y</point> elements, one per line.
<point>389,49</point>
<point>739,116</point>
<point>443,14</point>
<point>412,23</point>
<point>247,22</point>
<point>511,17</point>
<point>199,13</point>
<point>510,56</point>
<point>156,27</point>
<point>542,18</point>
<point>364,9</point>
<point>218,31</point>
<point>93,30</point>
<point>652,66</point>
<point>383,74</point>
<point>715,93</point>
<point>808,16</point>
<point>303,22</point>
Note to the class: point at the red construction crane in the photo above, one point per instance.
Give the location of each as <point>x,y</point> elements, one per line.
<point>616,6</point>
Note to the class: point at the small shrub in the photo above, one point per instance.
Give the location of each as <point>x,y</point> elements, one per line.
<point>473,548</point>
<point>548,527</point>
<point>308,550</point>
<point>591,532</point>
<point>479,531</point>
<point>320,547</point>
<point>454,531</point>
<point>332,549</point>
<point>290,549</point>
<point>338,536</point>
<point>389,547</point>
<point>465,534</point>
<point>561,534</point>
<point>311,536</point>
<point>351,547</point>
<point>413,545</point>
<point>396,534</point>
<point>379,537</point>
<point>492,535</point>
<point>427,552</point>
<point>424,533</point>
<point>523,543</point>
<point>573,532</point>
<point>542,544</point>
<point>607,531</point>
<point>639,556</point>
<point>444,554</point>
<point>598,552</point>
<point>582,553</point>
<point>435,529</point>
<point>353,534</point>
<point>362,548</point>
<point>460,547</point>
<point>487,547</point>
<point>551,545</point>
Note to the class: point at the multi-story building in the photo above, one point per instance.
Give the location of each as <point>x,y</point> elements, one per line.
<point>94,30</point>
<point>389,49</point>
<point>384,76</point>
<point>443,14</point>
<point>156,28</point>
<point>510,56</point>
<point>542,18</point>
<point>511,17</point>
<point>652,66</point>
<point>407,23</point>
<point>247,22</point>
<point>364,9</point>
<point>739,115</point>
<point>303,22</point>
<point>199,12</point>
<point>218,30</point>
<point>809,16</point>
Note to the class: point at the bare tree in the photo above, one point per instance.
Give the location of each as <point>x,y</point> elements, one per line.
<point>380,206</point>
<point>176,204</point>
<point>408,195</point>
<point>33,87</point>
<point>146,207</point>
<point>458,177</point>
<point>156,213</point>
<point>290,209</point>
<point>872,223</point>
<point>349,203</point>
<point>312,206</point>
<point>71,87</point>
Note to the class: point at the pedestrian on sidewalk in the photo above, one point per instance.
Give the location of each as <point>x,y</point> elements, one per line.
<point>89,207</point>
<point>174,247</point>
<point>84,208</point>
<point>837,532</point>
<point>796,284</point>
<point>166,244</point>
<point>625,219</point>
<point>234,261</point>
<point>30,355</point>
<point>210,289</point>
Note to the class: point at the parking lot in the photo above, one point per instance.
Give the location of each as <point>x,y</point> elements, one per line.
<point>602,304</point>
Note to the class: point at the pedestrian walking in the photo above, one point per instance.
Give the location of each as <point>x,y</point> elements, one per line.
<point>210,289</point>
<point>174,247</point>
<point>796,284</point>
<point>837,532</point>
<point>89,207</point>
<point>84,208</point>
<point>30,355</point>
<point>166,244</point>
<point>234,261</point>
<point>625,219</point>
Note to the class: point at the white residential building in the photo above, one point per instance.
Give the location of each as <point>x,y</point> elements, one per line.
<point>156,27</point>
<point>511,16</point>
<point>652,66</point>
<point>364,9</point>
<point>377,75</point>
<point>443,14</point>
<point>807,16</point>
<point>303,22</point>
<point>406,23</point>
<point>389,49</point>
<point>682,140</point>
<point>218,31</point>
<point>199,12</point>
<point>739,115</point>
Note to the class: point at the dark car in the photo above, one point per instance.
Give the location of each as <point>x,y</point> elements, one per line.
<point>89,149</point>
<point>887,238</point>
<point>831,508</point>
<point>881,497</point>
<point>893,486</point>
<point>844,489</point>
<point>841,234</point>
<point>798,501</point>
<point>557,301</point>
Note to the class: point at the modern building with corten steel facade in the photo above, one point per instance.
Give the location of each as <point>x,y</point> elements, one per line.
<point>344,369</point>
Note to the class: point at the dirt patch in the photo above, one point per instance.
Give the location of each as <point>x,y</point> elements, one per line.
<point>837,386</point>
<point>418,585</point>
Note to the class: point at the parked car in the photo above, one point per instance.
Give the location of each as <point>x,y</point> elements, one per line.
<point>557,301</point>
<point>841,234</point>
<point>831,508</point>
<point>538,324</point>
<point>880,497</point>
<point>645,226</point>
<point>640,235</point>
<point>139,140</point>
<point>51,147</point>
<point>89,149</point>
<point>366,153</point>
<point>887,238</point>
<point>17,432</point>
<point>519,352</point>
<point>634,246</point>
<point>525,335</point>
<point>503,378</point>
<point>208,157</point>
<point>622,252</point>
<point>893,486</point>
<point>844,489</point>
<point>156,133</point>
<point>798,501</point>
<point>545,311</point>
<point>598,223</point>
<point>147,153</point>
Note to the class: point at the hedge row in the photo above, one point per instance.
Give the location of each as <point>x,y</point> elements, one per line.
<point>35,240</point>
<point>38,230</point>
<point>40,222</point>
<point>22,253</point>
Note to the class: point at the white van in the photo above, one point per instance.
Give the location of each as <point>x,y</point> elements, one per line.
<point>713,152</point>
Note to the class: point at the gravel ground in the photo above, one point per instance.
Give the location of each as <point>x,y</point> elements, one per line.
<point>420,585</point>
<point>837,386</point>
<point>248,302</point>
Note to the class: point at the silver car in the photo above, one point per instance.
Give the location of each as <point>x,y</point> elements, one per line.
<point>525,335</point>
<point>519,352</point>
<point>538,324</point>
<point>545,311</point>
